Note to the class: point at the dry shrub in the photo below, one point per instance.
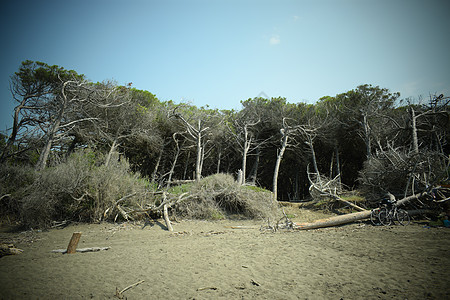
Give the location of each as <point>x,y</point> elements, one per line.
<point>14,181</point>
<point>81,189</point>
<point>220,196</point>
<point>400,172</point>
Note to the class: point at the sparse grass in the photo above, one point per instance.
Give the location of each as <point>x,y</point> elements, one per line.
<point>354,198</point>
<point>180,189</point>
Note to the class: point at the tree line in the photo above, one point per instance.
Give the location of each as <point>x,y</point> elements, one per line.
<point>366,138</point>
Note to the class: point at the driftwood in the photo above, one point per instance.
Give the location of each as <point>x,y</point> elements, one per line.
<point>241,227</point>
<point>166,218</point>
<point>82,250</point>
<point>207,288</point>
<point>72,247</point>
<point>119,294</point>
<point>9,249</point>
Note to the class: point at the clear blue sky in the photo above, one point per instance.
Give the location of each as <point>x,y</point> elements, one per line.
<point>221,52</point>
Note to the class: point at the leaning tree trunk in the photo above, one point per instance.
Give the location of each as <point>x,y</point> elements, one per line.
<point>338,167</point>
<point>15,129</point>
<point>158,161</point>
<point>409,198</point>
<point>43,157</point>
<point>110,153</point>
<point>175,159</point>
<point>277,166</point>
<point>367,139</point>
<point>254,171</point>
<point>310,143</point>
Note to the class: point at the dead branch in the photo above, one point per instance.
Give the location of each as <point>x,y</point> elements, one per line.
<point>348,203</point>
<point>119,294</point>
<point>125,197</point>
<point>166,218</point>
<point>9,249</point>
<point>412,197</point>
<point>4,196</point>
<point>124,213</point>
<point>82,250</point>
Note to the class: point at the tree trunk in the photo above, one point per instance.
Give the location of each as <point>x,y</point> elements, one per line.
<point>277,166</point>
<point>111,151</point>
<point>254,172</point>
<point>338,167</point>
<point>219,155</point>
<point>244,163</point>
<point>72,145</point>
<point>72,247</point>
<point>348,218</point>
<point>43,157</point>
<point>409,198</point>
<point>246,147</point>
<point>175,159</point>
<point>331,165</point>
<point>414,131</point>
<point>367,139</point>
<point>166,218</point>
<point>186,165</point>
<point>313,155</point>
<point>334,221</point>
<point>15,129</point>
<point>198,170</point>
<point>158,161</point>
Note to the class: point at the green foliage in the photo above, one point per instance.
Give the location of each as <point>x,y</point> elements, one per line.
<point>353,198</point>
<point>180,189</point>
<point>41,77</point>
<point>346,129</point>
<point>255,188</point>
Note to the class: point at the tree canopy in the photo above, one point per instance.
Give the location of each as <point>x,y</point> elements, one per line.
<point>357,136</point>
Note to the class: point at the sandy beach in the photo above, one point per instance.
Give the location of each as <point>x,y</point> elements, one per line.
<point>229,260</point>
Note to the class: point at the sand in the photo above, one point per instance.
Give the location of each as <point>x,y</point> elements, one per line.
<point>211,260</point>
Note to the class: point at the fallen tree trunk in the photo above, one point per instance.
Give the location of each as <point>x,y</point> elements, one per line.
<point>348,218</point>
<point>409,198</point>
<point>334,221</point>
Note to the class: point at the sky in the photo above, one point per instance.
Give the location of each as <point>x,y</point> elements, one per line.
<point>219,53</point>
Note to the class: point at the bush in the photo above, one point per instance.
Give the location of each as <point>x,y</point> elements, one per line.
<point>398,171</point>
<point>219,196</point>
<point>81,189</point>
<point>14,184</point>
